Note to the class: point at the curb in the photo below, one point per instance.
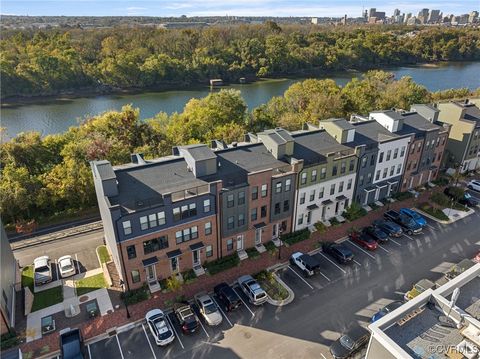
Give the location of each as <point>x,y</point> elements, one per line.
<point>431,217</point>
<point>288,300</point>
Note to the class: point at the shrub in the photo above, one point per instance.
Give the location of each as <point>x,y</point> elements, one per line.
<point>297,236</point>
<point>270,246</point>
<point>173,283</point>
<point>9,340</point>
<point>456,192</point>
<point>440,199</point>
<point>136,295</point>
<point>334,221</point>
<point>354,212</point>
<point>222,264</point>
<point>252,253</point>
<point>320,227</point>
<point>441,181</point>
<point>435,212</point>
<point>400,196</point>
<point>189,276</point>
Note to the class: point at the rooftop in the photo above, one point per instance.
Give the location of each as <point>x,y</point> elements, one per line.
<point>469,299</point>
<point>371,131</point>
<point>413,122</point>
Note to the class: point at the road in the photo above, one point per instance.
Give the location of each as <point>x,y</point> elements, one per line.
<point>324,305</point>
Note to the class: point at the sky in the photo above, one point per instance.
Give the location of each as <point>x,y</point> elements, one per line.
<point>307,8</point>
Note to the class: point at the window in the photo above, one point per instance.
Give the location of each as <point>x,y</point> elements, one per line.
<point>323,172</point>
<point>320,192</point>
<point>349,184</point>
<point>186,234</point>
<point>364,162</point>
<point>127,228</point>
<point>392,171</point>
<point>131,252</point>
<point>192,209</point>
<point>380,159</point>
<point>438,142</point>
<point>135,275</point>
<point>155,244</point>
<point>300,219</point>
<point>389,155</point>
<point>254,193</point>
<point>278,187</point>
<point>332,189</point>
<point>377,175</point>
<point>241,198</point>
<point>263,211</point>
<point>185,213</point>
<point>351,167</point>
<point>161,218</point>
<point>277,208</point>
<point>264,190</point>
<point>230,201</point>
<point>241,219</point>
<point>399,168</point>
<point>443,139</point>
<point>152,220</point>
<point>206,205</point>
<point>419,146</point>
<point>334,170</point>
<point>340,187</point>
<point>372,160</point>
<point>360,180</point>
<point>343,167</point>
<point>369,178</point>
<point>385,172</point>
<point>231,222</point>
<point>208,251</point>
<point>176,214</point>
<point>314,175</point>
<point>439,156</point>
<point>286,205</point>
<point>143,223</point>
<point>208,228</point>
<point>427,144</point>
<point>402,152</point>
<point>395,153</point>
<point>253,214</point>
<point>288,184</point>
<point>229,244</point>
<point>178,237</point>
<point>302,198</point>
<point>413,149</point>
<point>409,166</point>
<point>194,232</point>
<point>303,179</point>
<point>312,195</point>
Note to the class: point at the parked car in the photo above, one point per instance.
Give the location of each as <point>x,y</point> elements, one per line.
<point>42,270</point>
<point>208,310</point>
<point>376,233</point>
<point>466,200</point>
<point>385,310</point>
<point>414,215</point>
<point>341,253</point>
<point>71,345</point>
<point>363,240</point>
<point>418,288</point>
<point>306,263</point>
<point>389,227</point>
<point>476,259</point>
<point>350,342</point>
<point>227,296</point>
<point>256,295</point>
<point>474,185</point>
<point>409,225</point>
<point>66,266</point>
<point>186,317</point>
<point>159,327</point>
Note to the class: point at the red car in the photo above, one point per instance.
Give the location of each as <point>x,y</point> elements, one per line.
<point>364,240</point>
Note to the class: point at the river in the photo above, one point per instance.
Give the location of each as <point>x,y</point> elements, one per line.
<point>54,116</point>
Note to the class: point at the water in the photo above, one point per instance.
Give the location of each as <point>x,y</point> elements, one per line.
<point>58,115</point>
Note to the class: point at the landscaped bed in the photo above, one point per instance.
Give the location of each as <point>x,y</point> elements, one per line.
<point>297,236</point>
<point>90,284</point>
<point>252,253</point>
<point>274,289</point>
<point>103,254</point>
<point>434,212</point>
<point>27,277</point>
<point>222,264</point>
<point>47,298</point>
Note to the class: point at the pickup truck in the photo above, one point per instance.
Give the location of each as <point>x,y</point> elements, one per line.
<point>306,263</point>
<point>408,224</point>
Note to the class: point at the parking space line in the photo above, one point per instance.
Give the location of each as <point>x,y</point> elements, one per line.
<point>328,259</point>
<point>356,262</point>
<point>176,334</point>
<point>119,346</point>
<point>364,251</point>
<point>323,356</point>
<point>325,276</point>
<point>149,343</point>
<point>208,336</point>
<point>299,276</point>
<point>221,311</point>
<point>386,250</point>
<point>408,237</point>
<point>431,227</point>
<point>89,353</point>
<point>394,241</point>
<point>76,261</point>
<point>240,296</point>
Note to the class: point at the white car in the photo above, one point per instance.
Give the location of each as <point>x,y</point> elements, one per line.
<point>306,263</point>
<point>42,270</point>
<point>66,266</point>
<point>474,184</point>
<point>208,310</point>
<point>159,327</point>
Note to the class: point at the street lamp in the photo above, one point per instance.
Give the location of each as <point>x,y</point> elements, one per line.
<point>122,284</point>
<point>280,246</point>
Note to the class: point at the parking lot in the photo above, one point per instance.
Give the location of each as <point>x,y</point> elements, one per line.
<point>325,304</point>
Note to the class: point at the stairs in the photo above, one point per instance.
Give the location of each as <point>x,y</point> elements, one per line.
<point>199,270</point>
<point>242,254</point>
<point>260,248</point>
<point>114,276</point>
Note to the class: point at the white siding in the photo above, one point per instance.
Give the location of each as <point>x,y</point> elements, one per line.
<point>387,164</point>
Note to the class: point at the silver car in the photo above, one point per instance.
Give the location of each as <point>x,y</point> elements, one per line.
<point>208,310</point>
<point>256,295</point>
<point>42,270</point>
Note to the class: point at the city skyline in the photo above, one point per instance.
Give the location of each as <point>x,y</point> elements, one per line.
<point>283,8</point>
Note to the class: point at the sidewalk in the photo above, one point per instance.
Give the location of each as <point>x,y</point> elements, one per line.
<point>106,323</point>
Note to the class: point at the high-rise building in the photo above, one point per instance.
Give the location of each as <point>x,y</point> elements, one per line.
<point>406,17</point>
<point>473,17</point>
<point>396,12</point>
<point>372,12</point>
<point>423,16</point>
<point>434,17</point>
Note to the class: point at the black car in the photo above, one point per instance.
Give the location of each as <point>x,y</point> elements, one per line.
<point>376,233</point>
<point>340,252</point>
<point>227,296</point>
<point>186,317</point>
<point>71,345</point>
<point>350,342</point>
<point>389,227</point>
<point>407,223</point>
<point>466,200</point>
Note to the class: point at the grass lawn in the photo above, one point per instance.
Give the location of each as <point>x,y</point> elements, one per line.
<point>89,284</point>
<point>47,298</point>
<point>103,254</point>
<point>27,277</point>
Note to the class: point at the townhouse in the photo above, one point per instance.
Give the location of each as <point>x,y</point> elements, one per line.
<point>463,146</point>
<point>9,276</point>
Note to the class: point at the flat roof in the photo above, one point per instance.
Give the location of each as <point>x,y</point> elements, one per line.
<point>469,299</point>
<point>371,131</point>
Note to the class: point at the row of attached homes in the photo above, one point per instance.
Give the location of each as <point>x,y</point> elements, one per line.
<point>165,216</point>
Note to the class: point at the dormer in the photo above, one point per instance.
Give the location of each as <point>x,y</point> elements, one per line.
<point>278,142</point>
<point>391,119</point>
<point>201,160</point>
<point>339,128</point>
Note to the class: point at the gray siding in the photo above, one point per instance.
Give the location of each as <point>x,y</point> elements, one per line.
<point>282,197</point>
<point>234,211</point>
<point>7,276</point>
<point>360,193</point>
<point>428,153</point>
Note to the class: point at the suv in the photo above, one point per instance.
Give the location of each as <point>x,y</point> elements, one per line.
<point>340,252</point>
<point>186,317</point>
<point>71,344</point>
<point>159,327</point>
<point>256,295</point>
<point>208,309</point>
<point>350,342</point>
<point>474,184</point>
<point>307,264</point>
<point>390,228</point>
<point>413,215</point>
<point>42,270</point>
<point>376,233</point>
<point>227,296</point>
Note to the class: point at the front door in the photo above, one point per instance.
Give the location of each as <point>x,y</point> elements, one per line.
<point>239,243</point>
<point>336,207</point>
<point>151,273</point>
<point>196,257</point>
<point>258,236</point>
<point>324,208</point>
<point>275,230</point>
<point>174,265</point>
<point>309,217</point>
